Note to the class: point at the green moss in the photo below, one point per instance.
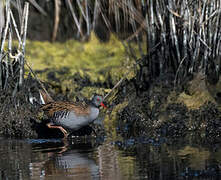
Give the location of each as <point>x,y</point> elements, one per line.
<point>92,58</point>
<point>99,62</point>
<point>196,100</point>
<point>89,91</point>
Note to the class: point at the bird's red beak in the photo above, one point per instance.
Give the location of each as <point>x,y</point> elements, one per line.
<point>102,104</point>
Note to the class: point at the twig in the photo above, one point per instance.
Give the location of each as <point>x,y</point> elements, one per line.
<point>39,8</point>
<point>203,41</point>
<point>178,70</point>
<point>41,84</point>
<point>174,13</point>
<point>136,33</point>
<point>116,85</point>
<point>126,74</point>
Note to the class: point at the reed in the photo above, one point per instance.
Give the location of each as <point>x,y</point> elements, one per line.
<point>12,63</point>
<point>186,32</point>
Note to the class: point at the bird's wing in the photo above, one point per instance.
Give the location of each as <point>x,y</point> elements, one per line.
<point>79,108</point>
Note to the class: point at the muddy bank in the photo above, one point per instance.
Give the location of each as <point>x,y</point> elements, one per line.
<point>16,111</point>
<point>162,110</point>
<point>191,110</point>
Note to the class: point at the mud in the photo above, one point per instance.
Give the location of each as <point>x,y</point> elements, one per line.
<point>154,113</point>
<point>16,112</point>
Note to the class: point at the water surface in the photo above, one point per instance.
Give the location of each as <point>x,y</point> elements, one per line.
<point>106,159</point>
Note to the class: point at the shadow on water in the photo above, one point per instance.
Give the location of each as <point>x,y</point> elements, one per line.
<point>97,159</point>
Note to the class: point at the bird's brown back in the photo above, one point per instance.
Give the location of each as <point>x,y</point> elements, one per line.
<point>78,107</point>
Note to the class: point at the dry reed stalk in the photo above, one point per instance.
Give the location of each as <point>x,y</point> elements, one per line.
<point>74,17</point>
<point>56,19</point>
<point>25,25</point>
<point>6,57</point>
<point>3,40</point>
<point>2,18</point>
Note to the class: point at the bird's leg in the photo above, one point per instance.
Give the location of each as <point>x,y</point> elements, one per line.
<point>50,125</point>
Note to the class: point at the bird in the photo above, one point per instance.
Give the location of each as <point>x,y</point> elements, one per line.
<point>70,116</point>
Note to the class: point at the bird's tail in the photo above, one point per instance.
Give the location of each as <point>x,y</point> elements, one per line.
<point>45,97</point>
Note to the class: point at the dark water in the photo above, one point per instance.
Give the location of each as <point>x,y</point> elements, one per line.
<point>106,159</point>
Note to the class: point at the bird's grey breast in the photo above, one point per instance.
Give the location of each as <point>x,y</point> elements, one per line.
<point>73,121</point>
<point>94,113</point>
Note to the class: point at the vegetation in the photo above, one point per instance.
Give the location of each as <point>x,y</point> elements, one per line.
<point>161,56</point>
<point>154,47</point>
<point>88,58</point>
<point>178,35</point>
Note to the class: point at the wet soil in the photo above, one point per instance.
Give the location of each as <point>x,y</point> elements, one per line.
<point>152,112</point>
<point>158,111</point>
<point>16,111</point>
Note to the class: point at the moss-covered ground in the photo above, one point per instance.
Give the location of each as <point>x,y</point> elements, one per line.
<point>72,64</point>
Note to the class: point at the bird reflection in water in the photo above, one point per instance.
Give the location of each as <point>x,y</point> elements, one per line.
<point>66,158</point>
